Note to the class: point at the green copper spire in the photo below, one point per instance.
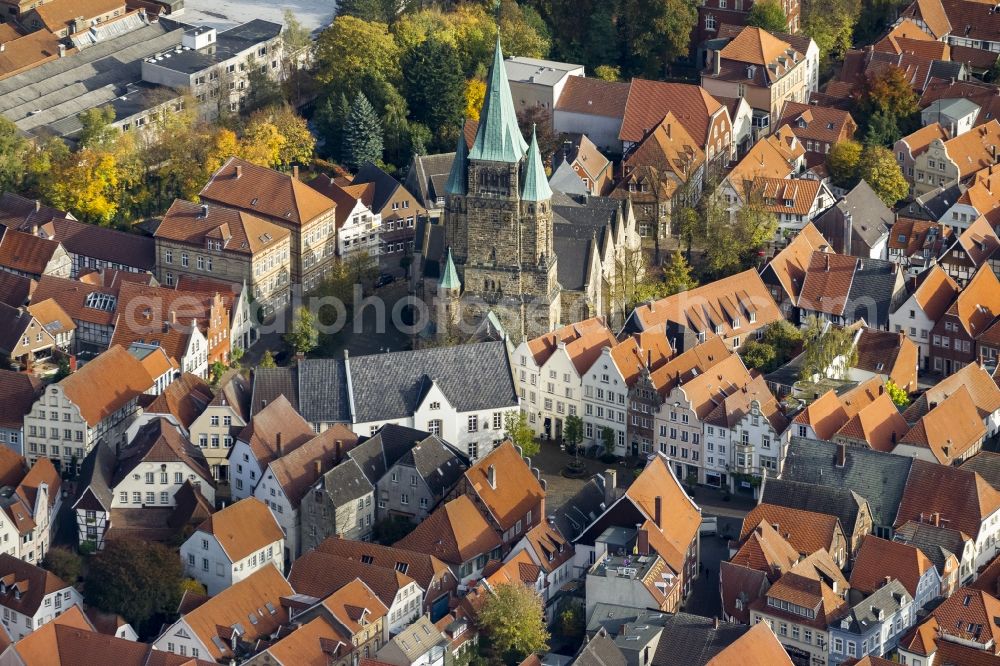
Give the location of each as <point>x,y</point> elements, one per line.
<point>498,138</point>
<point>456,177</point>
<point>535,187</point>
<point>449,278</point>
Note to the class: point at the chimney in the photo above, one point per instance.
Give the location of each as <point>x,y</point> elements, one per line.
<point>38,205</point>
<point>888,579</point>
<point>841,455</point>
<point>642,542</point>
<point>239,171</point>
<point>717,62</point>
<point>318,468</point>
<point>172,317</point>
<point>657,510</point>
<point>623,630</point>
<point>277,443</point>
<point>62,50</point>
<point>72,362</point>
<point>881,389</point>
<point>715,622</point>
<point>491,476</point>
<point>295,172</point>
<point>204,210</point>
<point>339,448</point>
<point>3,47</point>
<point>610,481</point>
<point>827,257</point>
<point>936,519</point>
<point>894,438</point>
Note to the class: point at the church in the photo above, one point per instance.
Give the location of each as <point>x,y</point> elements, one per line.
<point>503,228</point>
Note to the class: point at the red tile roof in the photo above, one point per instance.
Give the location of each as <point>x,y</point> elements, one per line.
<point>649,101</point>
<point>878,559</point>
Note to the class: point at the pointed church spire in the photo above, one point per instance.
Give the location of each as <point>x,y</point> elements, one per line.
<point>498,138</point>
<point>457,183</point>
<point>449,278</point>
<point>534,186</point>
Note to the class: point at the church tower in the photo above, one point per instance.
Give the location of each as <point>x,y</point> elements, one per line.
<point>498,220</point>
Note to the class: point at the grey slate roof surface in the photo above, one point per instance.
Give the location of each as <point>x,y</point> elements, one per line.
<point>322,390</point>
<point>472,377</point>
<point>870,217</point>
<point>13,322</point>
<point>385,185</point>
<point>440,464</point>
<point>419,178</point>
<point>878,477</point>
<point>565,179</point>
<point>986,463</point>
<point>888,598</point>
<point>582,509</point>
<point>346,483</point>
<point>269,383</point>
<point>576,223</point>
<point>937,202</point>
<point>873,284</point>
<point>843,503</point>
<point>95,475</point>
<point>937,543</point>
<point>600,651</point>
<point>692,639</point>
<point>384,449</point>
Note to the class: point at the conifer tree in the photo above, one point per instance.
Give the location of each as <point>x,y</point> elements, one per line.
<point>362,134</point>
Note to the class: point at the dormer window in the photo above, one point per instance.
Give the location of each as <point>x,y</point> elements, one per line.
<point>736,322</point>
<point>435,405</point>
<point>718,329</point>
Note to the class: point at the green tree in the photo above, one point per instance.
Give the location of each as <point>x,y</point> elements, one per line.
<point>842,161</point>
<point>879,168</point>
<point>573,431</point>
<point>433,84</point>
<point>267,360</point>
<point>899,396</point>
<point>63,563</point>
<point>656,32</point>
<point>96,131</point>
<point>13,156</point>
<point>215,372</point>
<point>731,240</point>
<point>518,430</point>
<point>608,72</point>
<point>235,356</point>
<point>303,337</point>
<point>351,51</point>
<point>373,11</point>
<point>758,356</point>
<point>608,439</point>
<point>264,90</point>
<point>572,622</point>
<point>883,130</point>
<point>784,338</point>
<point>299,143</point>
<point>140,580</point>
<point>831,26</point>
<point>330,120</point>
<point>769,15</point>
<point>513,617</point>
<point>362,135</point>
<point>677,274</point>
<point>888,90</point>
<point>823,344</point>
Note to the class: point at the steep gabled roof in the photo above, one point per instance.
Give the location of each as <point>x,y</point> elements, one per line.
<point>936,293</point>
<point>950,429</point>
<point>961,498</point>
<point>498,138</point>
<point>243,528</point>
<point>878,559</point>
<point>105,384</point>
<point>455,533</point>
<point>515,489</point>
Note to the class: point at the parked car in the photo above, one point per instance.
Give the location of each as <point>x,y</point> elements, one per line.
<point>384,279</point>
<point>709,526</point>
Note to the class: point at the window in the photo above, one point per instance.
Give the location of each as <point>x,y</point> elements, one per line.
<point>473,423</point>
<point>434,427</point>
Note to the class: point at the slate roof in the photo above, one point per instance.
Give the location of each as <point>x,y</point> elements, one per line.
<point>599,651</point>
<point>385,185</point>
<point>321,390</point>
<point>438,463</point>
<point>878,477</point>
<point>18,392</point>
<point>936,542</point>
<point>690,639</point>
<point>987,465</point>
<point>346,483</point>
<point>843,503</point>
<point>390,386</point>
<point>573,517</point>
<point>376,454</point>
<point>269,383</point>
<point>428,174</point>
<point>96,472</point>
<point>889,599</point>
